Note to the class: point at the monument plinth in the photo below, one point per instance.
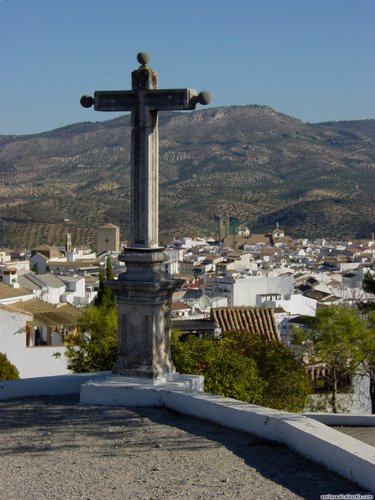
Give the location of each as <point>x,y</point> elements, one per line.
<point>144,291</point>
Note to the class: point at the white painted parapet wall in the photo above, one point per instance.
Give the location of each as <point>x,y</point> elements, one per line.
<point>338,452</point>
<point>46,386</point>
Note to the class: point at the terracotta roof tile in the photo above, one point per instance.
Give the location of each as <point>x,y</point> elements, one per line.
<point>179,306</point>
<point>49,314</point>
<point>256,320</point>
<point>7,291</point>
<point>33,305</point>
<point>76,263</point>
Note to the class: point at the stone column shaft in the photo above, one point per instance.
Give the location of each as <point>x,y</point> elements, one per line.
<point>144,165</point>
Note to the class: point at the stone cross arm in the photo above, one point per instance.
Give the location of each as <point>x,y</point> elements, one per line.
<point>153,99</point>
<point>144,100</point>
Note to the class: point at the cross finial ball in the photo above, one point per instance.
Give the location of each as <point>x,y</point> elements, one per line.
<point>143,58</point>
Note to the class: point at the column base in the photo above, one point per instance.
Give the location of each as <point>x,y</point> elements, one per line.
<point>144,294</point>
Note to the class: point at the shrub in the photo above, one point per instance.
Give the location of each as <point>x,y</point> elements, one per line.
<point>97,349</point>
<point>226,372</point>
<point>245,367</point>
<point>7,370</point>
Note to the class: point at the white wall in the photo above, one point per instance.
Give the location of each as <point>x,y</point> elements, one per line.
<point>53,295</point>
<point>243,263</point>
<point>12,331</point>
<point>76,292</point>
<point>40,261</point>
<point>30,361</point>
<point>47,386</point>
<point>246,290</point>
<point>4,257</point>
<point>39,362</point>
<point>243,291</point>
<point>173,262</point>
<point>297,305</point>
<point>219,301</point>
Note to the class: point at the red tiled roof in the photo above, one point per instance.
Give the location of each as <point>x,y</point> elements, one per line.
<point>7,291</point>
<point>179,306</point>
<point>256,320</point>
<point>76,263</point>
<point>46,313</point>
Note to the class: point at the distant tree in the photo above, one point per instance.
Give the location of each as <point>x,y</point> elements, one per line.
<point>35,268</point>
<point>369,283</point>
<point>100,294</point>
<point>109,269</point>
<point>105,297</point>
<point>368,366</point>
<point>368,286</point>
<point>367,308</point>
<point>341,339</point>
<point>7,370</point>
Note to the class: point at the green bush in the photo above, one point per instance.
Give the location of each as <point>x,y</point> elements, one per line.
<point>245,367</point>
<point>226,372</point>
<point>97,349</point>
<point>288,386</point>
<point>7,370</point>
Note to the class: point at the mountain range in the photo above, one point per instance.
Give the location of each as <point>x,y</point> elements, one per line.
<point>249,162</point>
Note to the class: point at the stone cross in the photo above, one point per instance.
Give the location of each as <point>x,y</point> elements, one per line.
<point>144,101</point>
<point>144,291</point>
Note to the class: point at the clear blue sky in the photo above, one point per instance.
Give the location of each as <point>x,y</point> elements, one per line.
<point>312,59</point>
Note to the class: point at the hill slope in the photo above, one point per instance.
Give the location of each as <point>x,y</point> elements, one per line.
<point>246,161</point>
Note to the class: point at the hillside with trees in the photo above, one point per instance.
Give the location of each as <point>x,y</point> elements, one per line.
<point>250,162</point>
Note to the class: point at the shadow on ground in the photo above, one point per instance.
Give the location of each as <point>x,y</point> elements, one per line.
<point>54,423</point>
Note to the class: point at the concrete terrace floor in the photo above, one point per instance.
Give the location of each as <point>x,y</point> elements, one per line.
<point>365,434</point>
<point>55,448</point>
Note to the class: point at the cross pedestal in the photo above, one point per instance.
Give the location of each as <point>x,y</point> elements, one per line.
<point>144,291</point>
<point>144,295</point>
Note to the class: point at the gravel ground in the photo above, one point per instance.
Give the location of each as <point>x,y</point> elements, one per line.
<point>53,448</point>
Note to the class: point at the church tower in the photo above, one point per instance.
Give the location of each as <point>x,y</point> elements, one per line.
<point>68,242</point>
<point>108,239</point>
<point>224,227</point>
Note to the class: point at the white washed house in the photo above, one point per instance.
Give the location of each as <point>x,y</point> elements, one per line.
<point>30,361</point>
<point>243,290</point>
